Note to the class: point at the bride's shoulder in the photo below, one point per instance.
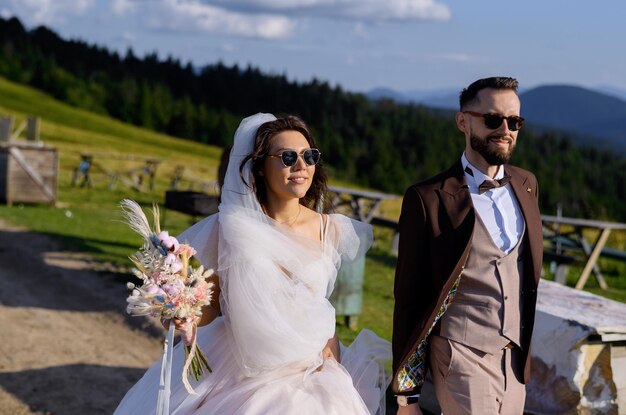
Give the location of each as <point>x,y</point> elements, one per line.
<point>352,238</point>
<point>345,226</point>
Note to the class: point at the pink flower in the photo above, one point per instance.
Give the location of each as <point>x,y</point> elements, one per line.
<point>185,249</point>
<point>199,293</point>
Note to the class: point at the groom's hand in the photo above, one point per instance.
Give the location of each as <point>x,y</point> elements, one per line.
<point>413,409</point>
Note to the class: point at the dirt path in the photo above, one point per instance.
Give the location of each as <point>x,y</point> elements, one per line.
<point>66,345</point>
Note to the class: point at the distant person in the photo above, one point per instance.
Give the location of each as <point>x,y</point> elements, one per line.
<point>469,263</point>
<point>269,334</point>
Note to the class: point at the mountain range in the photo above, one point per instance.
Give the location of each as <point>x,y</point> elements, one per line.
<point>591,117</point>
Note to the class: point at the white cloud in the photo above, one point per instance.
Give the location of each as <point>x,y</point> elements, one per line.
<point>457,57</point>
<point>121,7</point>
<point>361,10</point>
<point>194,16</point>
<point>47,12</point>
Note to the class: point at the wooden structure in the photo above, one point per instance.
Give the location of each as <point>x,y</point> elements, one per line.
<point>191,203</point>
<point>140,178</point>
<point>31,124</point>
<point>28,169</point>
<point>185,177</point>
<point>574,242</point>
<point>361,204</point>
<point>28,173</point>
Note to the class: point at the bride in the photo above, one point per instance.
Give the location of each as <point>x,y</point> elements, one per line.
<point>269,334</point>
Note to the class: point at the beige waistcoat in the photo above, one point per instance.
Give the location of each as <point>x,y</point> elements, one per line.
<point>485,313</point>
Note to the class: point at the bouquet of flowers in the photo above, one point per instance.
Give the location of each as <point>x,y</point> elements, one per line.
<point>171,288</point>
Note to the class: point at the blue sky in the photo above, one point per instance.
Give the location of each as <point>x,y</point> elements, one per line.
<point>361,44</point>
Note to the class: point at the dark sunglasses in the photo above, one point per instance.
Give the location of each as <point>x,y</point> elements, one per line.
<point>494,121</point>
<point>311,157</point>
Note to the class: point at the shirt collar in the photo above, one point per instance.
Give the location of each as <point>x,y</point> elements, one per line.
<point>478,177</point>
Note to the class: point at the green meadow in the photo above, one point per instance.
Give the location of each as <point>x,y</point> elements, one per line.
<point>88,220</point>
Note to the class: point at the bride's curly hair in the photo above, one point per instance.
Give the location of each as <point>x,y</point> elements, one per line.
<point>317,194</point>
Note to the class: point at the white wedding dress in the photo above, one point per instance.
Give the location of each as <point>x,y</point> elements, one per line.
<point>265,349</point>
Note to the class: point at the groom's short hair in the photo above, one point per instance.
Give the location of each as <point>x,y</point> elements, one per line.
<point>469,94</point>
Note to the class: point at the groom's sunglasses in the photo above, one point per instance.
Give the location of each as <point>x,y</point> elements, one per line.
<point>494,121</point>
<point>311,156</point>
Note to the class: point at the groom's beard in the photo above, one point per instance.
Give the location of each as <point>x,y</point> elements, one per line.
<point>493,154</point>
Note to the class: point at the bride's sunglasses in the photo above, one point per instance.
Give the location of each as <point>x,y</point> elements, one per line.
<point>311,156</point>
<point>494,121</point>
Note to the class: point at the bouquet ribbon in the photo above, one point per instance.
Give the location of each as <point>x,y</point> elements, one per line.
<point>163,399</point>
<point>192,353</point>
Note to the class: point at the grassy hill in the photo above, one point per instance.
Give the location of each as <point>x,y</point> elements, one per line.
<point>86,218</point>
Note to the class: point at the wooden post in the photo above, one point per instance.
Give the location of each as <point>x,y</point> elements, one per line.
<point>34,174</point>
<point>592,260</point>
<point>32,131</point>
<point>15,135</point>
<point>6,128</point>
<point>596,268</point>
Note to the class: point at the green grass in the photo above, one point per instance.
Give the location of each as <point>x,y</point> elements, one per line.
<point>613,271</point>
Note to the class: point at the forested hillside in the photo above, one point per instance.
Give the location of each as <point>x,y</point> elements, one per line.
<point>382,145</point>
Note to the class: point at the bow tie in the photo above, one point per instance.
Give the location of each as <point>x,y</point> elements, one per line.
<point>489,184</point>
<point>492,184</point>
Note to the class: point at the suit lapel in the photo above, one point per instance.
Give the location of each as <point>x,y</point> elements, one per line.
<point>455,195</point>
<point>525,193</point>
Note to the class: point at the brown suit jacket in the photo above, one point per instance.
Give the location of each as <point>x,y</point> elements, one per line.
<point>436,226</point>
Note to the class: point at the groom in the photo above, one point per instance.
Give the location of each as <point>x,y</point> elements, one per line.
<point>468,267</point>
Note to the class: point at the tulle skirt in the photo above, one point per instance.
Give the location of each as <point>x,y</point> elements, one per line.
<point>313,386</point>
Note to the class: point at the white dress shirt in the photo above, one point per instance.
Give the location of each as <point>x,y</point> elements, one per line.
<point>498,208</point>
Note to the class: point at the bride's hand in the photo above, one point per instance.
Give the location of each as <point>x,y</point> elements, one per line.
<point>181,325</point>
<point>185,327</point>
<point>327,353</point>
<point>332,350</point>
